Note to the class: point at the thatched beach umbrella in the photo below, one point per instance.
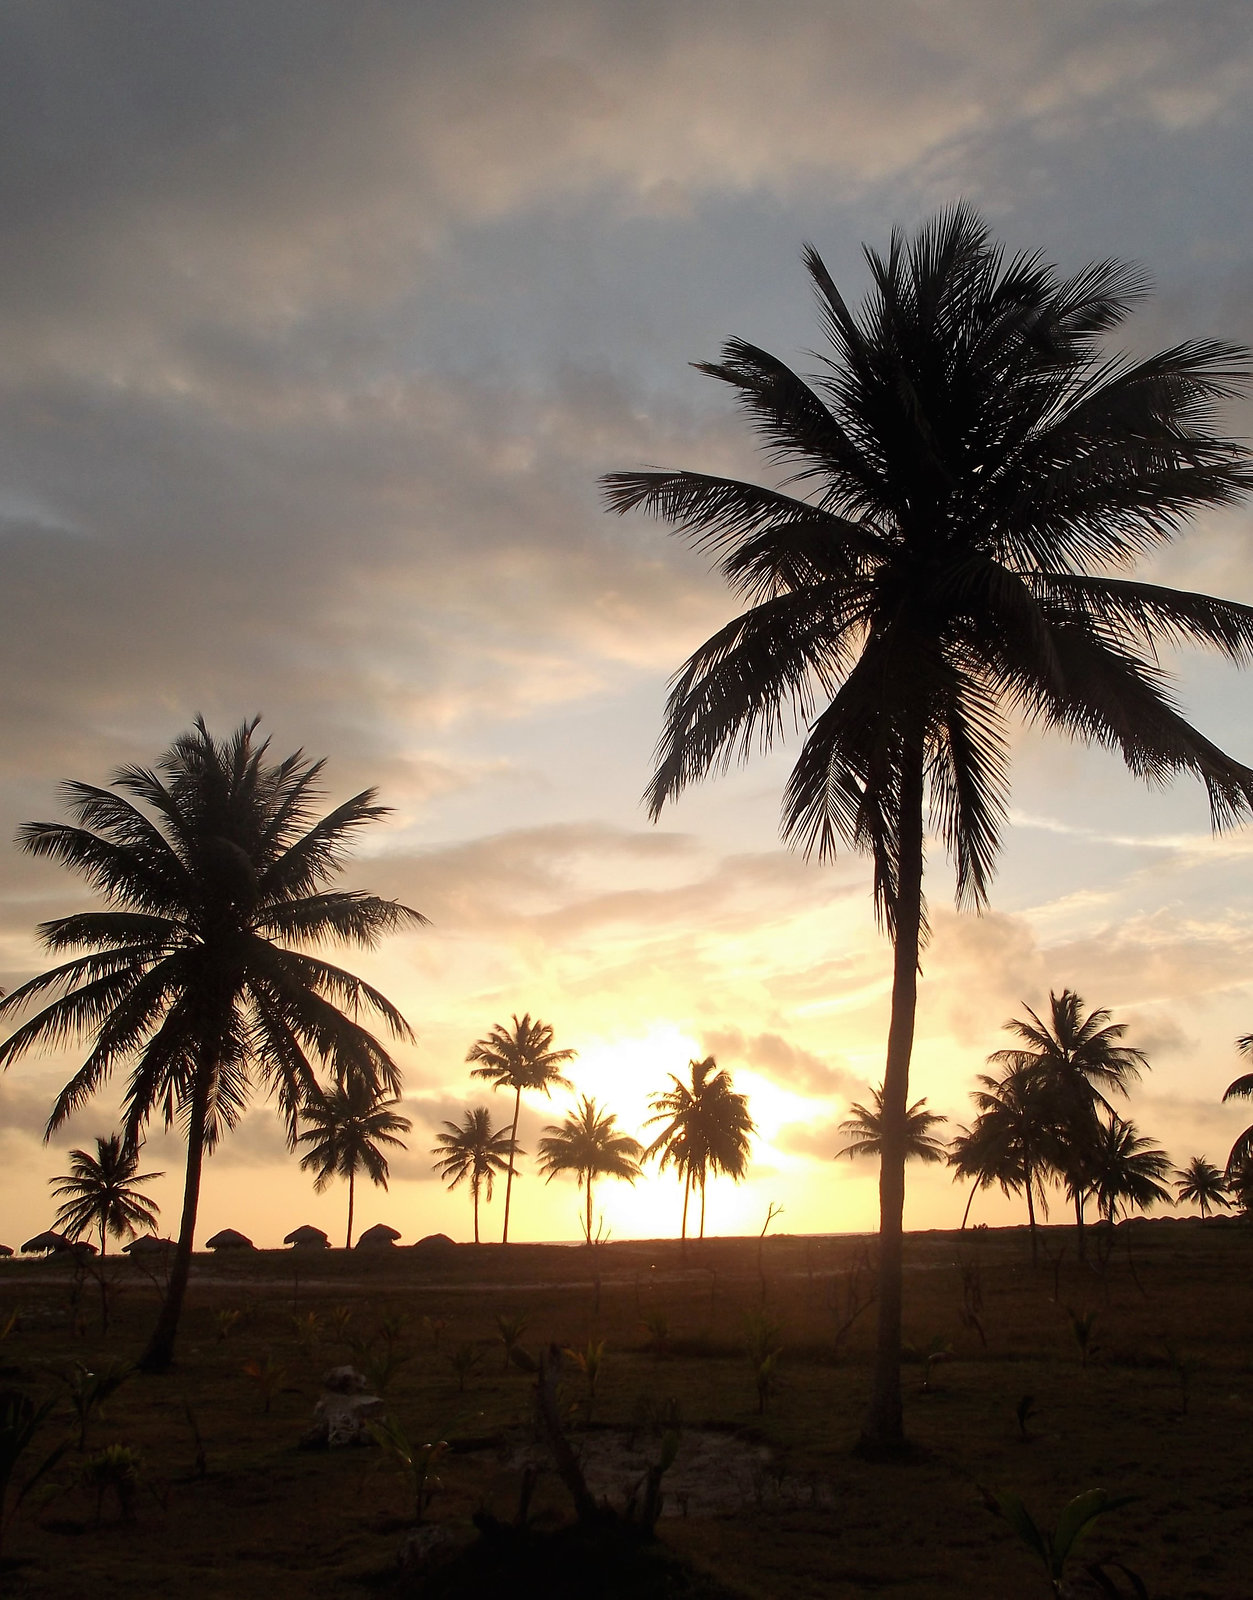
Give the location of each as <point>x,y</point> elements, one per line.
<point>230,1239</point>
<point>380,1235</point>
<point>308,1238</point>
<point>6,1250</point>
<point>148,1245</point>
<point>45,1244</point>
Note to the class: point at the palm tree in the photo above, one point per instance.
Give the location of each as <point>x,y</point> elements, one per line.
<point>100,1193</point>
<point>1201,1184</point>
<point>966,457</point>
<point>587,1144</point>
<point>199,973</point>
<point>349,1122</point>
<point>1079,1060</point>
<point>707,1130</point>
<point>519,1058</point>
<point>1123,1170</point>
<point>866,1128</point>
<point>474,1150</point>
<point>1013,1142</point>
<point>1241,1089</point>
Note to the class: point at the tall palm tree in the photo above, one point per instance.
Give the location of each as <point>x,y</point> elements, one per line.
<point>1079,1061</point>
<point>518,1058</point>
<point>1123,1170</point>
<point>474,1149</point>
<point>199,972</point>
<point>866,1127</point>
<point>1012,1143</point>
<point>101,1193</point>
<point>1241,1089</point>
<point>587,1144</point>
<point>348,1124</point>
<point>1201,1184</point>
<point>969,464</point>
<point>707,1130</point>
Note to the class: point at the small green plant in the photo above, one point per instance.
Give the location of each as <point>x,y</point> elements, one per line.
<point>762,1347</point>
<point>417,1463</point>
<point>339,1319</point>
<point>308,1331</point>
<point>1024,1411</point>
<point>226,1319</point>
<point>1055,1549</point>
<point>1082,1325</point>
<point>114,1470</point>
<point>89,1390</point>
<point>588,1361</point>
<point>380,1355</point>
<point>20,1421</point>
<point>657,1326</point>
<point>435,1328</point>
<point>268,1375</point>
<point>464,1361</point>
<point>510,1330</point>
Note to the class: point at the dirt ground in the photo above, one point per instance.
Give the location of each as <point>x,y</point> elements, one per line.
<point>764,1492</point>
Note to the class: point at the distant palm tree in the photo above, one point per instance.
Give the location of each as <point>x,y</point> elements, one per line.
<point>707,1130</point>
<point>1123,1170</point>
<point>519,1058</point>
<point>101,1194</point>
<point>1012,1143</point>
<point>1241,1089</point>
<point>474,1150</point>
<point>866,1127</point>
<point>587,1144</point>
<point>1240,1184</point>
<point>347,1125</point>
<point>963,477</point>
<point>1201,1184</point>
<point>1080,1060</point>
<point>199,971</point>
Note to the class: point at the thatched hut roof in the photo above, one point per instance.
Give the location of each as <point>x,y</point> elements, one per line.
<point>44,1244</point>
<point>148,1245</point>
<point>230,1239</point>
<point>309,1238</point>
<point>6,1250</point>
<point>436,1241</point>
<point>379,1235</point>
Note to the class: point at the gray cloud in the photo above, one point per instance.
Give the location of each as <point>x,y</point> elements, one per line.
<point>776,1057</point>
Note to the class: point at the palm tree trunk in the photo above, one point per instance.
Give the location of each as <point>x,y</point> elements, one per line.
<point>589,1208</point>
<point>702,1204</point>
<point>1080,1242</point>
<point>160,1352</point>
<point>104,1285</point>
<point>974,1190</point>
<point>883,1433</point>
<point>513,1139</point>
<point>352,1184</point>
<point>474,1190</point>
<point>687,1194</point>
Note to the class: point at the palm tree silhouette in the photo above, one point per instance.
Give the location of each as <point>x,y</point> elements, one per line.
<point>519,1058</point>
<point>1121,1170</point>
<point>347,1125</point>
<point>1241,1089</point>
<point>1013,1142</point>
<point>474,1150</point>
<point>866,1128</point>
<point>1078,1060</point>
<point>587,1144</point>
<point>1201,1184</point>
<point>101,1192</point>
<point>707,1130</point>
<point>967,455</point>
<point>199,971</point>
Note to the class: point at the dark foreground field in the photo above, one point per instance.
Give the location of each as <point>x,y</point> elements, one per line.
<point>1159,1407</point>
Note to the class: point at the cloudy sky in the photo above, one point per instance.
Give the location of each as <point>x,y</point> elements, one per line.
<point>318,324</point>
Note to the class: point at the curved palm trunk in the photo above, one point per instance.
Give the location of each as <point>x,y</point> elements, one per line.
<point>1035,1243</point>
<point>974,1190</point>
<point>352,1184</point>
<point>160,1352</point>
<point>883,1432</point>
<point>513,1139</point>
